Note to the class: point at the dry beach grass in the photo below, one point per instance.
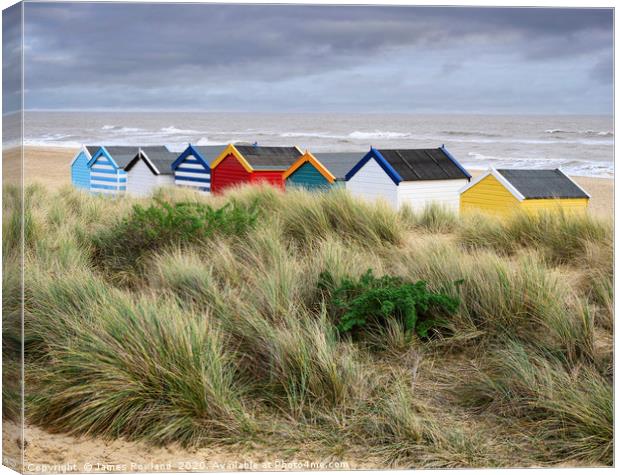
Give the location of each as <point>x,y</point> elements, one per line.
<point>223,348</point>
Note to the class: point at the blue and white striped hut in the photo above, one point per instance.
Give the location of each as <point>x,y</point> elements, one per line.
<point>107,174</point>
<point>80,173</point>
<point>193,167</point>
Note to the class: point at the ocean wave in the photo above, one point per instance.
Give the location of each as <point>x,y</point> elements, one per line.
<point>459,133</point>
<point>318,135</point>
<point>378,134</point>
<point>176,147</point>
<point>121,129</point>
<point>558,131</point>
<point>593,168</point>
<point>602,133</point>
<point>206,141</point>
<point>52,140</point>
<point>444,137</point>
<point>576,141</point>
<point>173,130</point>
<point>597,133</point>
<point>47,143</point>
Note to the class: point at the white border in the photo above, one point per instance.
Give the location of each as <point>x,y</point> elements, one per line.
<point>500,178</point>
<point>84,150</point>
<point>574,182</point>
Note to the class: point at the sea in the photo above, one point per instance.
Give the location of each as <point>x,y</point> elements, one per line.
<point>579,145</point>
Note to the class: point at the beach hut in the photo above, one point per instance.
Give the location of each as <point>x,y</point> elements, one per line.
<point>149,170</point>
<point>192,169</point>
<point>80,173</point>
<point>321,171</point>
<point>504,191</point>
<point>413,177</point>
<point>107,174</point>
<point>239,164</point>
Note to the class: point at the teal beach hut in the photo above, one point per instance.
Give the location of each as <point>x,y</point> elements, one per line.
<point>321,171</point>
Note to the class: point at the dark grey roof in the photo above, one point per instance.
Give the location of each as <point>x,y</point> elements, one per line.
<point>92,149</point>
<point>160,157</point>
<point>123,154</point>
<point>423,164</point>
<point>537,184</point>
<point>269,158</point>
<point>209,152</point>
<point>162,160</point>
<point>339,164</point>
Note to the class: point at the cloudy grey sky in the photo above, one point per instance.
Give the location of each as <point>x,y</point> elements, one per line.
<point>303,58</point>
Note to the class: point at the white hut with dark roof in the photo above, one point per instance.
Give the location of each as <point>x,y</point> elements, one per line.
<point>148,170</point>
<point>409,177</point>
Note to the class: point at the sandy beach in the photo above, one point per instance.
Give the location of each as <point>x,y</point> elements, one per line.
<point>60,453</point>
<point>55,174</point>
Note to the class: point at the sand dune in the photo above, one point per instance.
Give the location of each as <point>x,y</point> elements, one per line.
<point>45,451</point>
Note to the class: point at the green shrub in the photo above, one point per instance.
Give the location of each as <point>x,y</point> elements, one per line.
<point>163,225</point>
<point>370,299</point>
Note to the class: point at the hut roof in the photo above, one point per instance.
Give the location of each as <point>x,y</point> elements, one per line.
<point>269,158</point>
<point>540,184</point>
<point>339,164</point>
<point>424,164</point>
<point>159,161</point>
<point>209,152</point>
<point>92,149</point>
<point>162,161</point>
<point>123,154</point>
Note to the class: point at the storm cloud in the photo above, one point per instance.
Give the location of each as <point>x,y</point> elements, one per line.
<point>305,58</point>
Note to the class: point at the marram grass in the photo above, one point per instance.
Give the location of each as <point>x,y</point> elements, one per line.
<point>228,338</point>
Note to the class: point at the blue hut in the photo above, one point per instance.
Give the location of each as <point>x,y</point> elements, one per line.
<point>80,173</point>
<point>107,174</point>
<point>192,168</point>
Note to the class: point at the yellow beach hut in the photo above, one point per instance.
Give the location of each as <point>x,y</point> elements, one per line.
<point>505,191</point>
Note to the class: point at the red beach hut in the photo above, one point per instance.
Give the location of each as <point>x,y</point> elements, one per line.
<point>239,164</point>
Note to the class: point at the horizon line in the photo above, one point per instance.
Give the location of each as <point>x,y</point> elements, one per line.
<point>203,111</point>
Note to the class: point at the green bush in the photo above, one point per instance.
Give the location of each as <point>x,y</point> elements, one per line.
<point>163,225</point>
<point>369,299</point>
